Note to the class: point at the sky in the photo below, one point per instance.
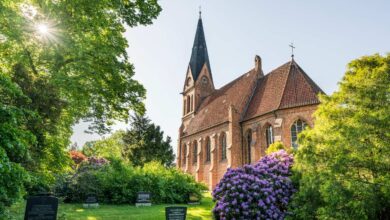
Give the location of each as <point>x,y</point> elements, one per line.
<point>327,35</point>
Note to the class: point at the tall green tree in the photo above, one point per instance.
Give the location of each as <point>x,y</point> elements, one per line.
<point>343,164</point>
<point>14,142</point>
<point>145,142</point>
<point>68,58</point>
<point>112,146</point>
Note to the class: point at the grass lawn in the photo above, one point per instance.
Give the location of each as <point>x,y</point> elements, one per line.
<point>155,212</point>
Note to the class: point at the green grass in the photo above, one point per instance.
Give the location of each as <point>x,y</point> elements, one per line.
<point>113,212</point>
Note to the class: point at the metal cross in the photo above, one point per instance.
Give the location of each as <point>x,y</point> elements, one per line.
<point>200,11</point>
<point>292,49</point>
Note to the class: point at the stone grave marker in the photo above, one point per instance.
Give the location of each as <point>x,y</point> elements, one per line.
<point>91,202</point>
<point>175,213</point>
<point>41,208</point>
<point>143,199</point>
<point>193,199</point>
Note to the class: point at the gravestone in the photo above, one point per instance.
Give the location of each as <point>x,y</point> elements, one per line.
<point>193,199</point>
<point>91,202</point>
<point>143,199</point>
<point>175,213</point>
<point>41,208</point>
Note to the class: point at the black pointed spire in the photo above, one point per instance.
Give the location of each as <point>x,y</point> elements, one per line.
<point>199,55</point>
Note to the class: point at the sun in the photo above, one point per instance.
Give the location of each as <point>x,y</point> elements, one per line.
<point>43,29</point>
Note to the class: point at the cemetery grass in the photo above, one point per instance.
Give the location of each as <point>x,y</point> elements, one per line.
<point>113,212</point>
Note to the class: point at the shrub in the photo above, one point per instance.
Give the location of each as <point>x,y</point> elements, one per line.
<point>260,191</point>
<point>277,146</point>
<point>118,183</point>
<point>77,157</point>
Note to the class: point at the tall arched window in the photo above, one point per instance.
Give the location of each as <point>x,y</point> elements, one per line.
<point>208,150</point>
<point>184,154</point>
<point>248,144</point>
<point>223,146</point>
<point>184,107</point>
<point>188,103</point>
<point>195,152</point>
<point>269,135</point>
<point>192,103</point>
<point>296,128</point>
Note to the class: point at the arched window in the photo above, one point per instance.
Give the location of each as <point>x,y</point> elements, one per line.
<point>248,143</point>
<point>184,107</point>
<point>269,135</point>
<point>184,154</point>
<point>195,152</point>
<point>208,150</point>
<point>223,146</point>
<point>192,103</point>
<point>296,128</point>
<point>188,103</point>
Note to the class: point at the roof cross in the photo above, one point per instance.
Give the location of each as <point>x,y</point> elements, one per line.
<point>292,49</point>
<point>200,11</point>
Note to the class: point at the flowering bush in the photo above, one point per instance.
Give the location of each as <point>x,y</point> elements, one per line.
<point>77,157</point>
<point>260,191</point>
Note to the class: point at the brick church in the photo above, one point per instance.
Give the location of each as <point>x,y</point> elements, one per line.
<point>234,125</point>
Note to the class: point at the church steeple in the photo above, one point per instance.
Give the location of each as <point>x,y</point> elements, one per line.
<point>199,55</point>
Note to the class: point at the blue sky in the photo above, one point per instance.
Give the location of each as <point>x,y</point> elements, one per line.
<point>327,35</point>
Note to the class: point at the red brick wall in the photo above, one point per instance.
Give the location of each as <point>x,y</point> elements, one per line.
<point>234,134</point>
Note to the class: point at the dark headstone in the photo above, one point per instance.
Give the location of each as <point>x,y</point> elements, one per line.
<point>91,199</point>
<point>143,199</point>
<point>175,213</point>
<point>91,202</point>
<point>41,208</point>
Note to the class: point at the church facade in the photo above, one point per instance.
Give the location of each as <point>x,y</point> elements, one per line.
<point>234,125</point>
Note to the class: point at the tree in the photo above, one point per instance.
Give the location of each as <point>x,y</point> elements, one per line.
<point>343,164</point>
<point>69,61</point>
<point>144,142</point>
<point>112,146</point>
<point>14,141</point>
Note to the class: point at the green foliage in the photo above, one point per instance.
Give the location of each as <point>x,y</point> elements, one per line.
<point>144,142</point>
<point>119,183</point>
<point>109,147</point>
<point>277,146</point>
<point>343,163</point>
<point>14,141</point>
<point>77,70</point>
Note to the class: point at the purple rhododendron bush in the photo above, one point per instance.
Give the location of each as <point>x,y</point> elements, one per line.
<point>260,191</point>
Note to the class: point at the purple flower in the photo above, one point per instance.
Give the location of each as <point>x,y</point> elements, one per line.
<point>260,191</point>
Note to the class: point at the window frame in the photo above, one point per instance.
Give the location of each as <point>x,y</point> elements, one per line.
<point>269,135</point>
<point>223,147</point>
<point>295,130</point>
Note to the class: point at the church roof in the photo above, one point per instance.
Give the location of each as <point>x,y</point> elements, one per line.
<point>199,55</point>
<point>287,86</point>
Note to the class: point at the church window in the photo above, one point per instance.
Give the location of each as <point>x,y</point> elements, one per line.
<point>184,154</point>
<point>195,152</point>
<point>188,103</point>
<point>204,80</point>
<point>247,150</point>
<point>223,146</point>
<point>269,135</point>
<point>296,128</point>
<point>192,103</point>
<point>188,81</point>
<point>184,107</point>
<point>208,150</point>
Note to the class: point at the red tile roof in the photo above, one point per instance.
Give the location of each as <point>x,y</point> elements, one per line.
<point>285,87</point>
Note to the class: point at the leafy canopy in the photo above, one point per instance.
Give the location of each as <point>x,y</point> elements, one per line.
<point>343,163</point>
<point>61,62</point>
